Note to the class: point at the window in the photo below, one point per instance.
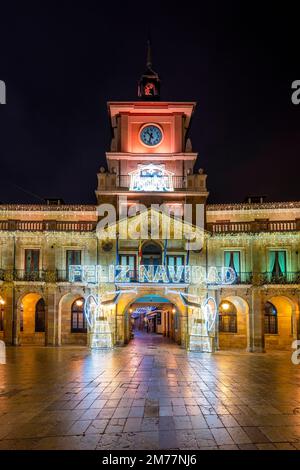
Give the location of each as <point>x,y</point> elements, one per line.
<point>151,254</point>
<point>129,260</point>
<point>40,316</point>
<point>232,259</point>
<point>174,262</point>
<point>78,322</point>
<point>227,317</point>
<point>277,263</point>
<point>73,258</point>
<point>271,319</point>
<point>32,263</point>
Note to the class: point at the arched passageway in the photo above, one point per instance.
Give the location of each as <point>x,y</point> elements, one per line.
<point>32,319</point>
<point>281,322</point>
<point>152,314</point>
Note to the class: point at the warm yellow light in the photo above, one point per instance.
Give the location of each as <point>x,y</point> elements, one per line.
<point>79,303</point>
<point>2,302</point>
<point>174,310</point>
<point>225,306</point>
<point>130,310</point>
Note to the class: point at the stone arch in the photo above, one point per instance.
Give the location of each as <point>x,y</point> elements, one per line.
<point>240,339</point>
<point>287,322</point>
<point>26,318</point>
<point>64,333</point>
<point>127,300</point>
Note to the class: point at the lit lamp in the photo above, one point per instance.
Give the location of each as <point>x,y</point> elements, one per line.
<point>130,310</point>
<point>225,306</point>
<point>79,302</point>
<point>173,310</point>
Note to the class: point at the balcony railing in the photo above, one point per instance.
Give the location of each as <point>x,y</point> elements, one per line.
<point>32,276</point>
<point>46,225</point>
<point>253,226</point>
<point>63,275</point>
<point>286,278</point>
<point>178,182</point>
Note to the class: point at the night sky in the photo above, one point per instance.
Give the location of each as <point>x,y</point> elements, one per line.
<point>62,63</point>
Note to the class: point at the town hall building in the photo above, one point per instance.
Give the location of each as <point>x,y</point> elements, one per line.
<point>68,278</point>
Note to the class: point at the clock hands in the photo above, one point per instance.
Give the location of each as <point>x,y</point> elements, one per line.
<point>150,136</point>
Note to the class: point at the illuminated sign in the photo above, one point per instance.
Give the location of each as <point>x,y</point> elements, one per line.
<point>197,275</point>
<point>151,178</point>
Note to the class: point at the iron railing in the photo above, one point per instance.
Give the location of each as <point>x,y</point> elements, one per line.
<point>32,276</point>
<point>285,278</point>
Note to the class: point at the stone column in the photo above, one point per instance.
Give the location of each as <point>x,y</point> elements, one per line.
<point>8,314</point>
<point>120,333</point>
<point>184,329</point>
<point>50,339</point>
<point>256,337</point>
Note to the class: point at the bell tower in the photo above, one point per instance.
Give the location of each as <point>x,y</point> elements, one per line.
<point>149,83</point>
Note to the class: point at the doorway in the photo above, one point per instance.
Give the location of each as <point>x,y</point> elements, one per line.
<point>155,315</point>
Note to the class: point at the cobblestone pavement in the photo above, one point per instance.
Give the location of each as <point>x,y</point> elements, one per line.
<point>149,395</point>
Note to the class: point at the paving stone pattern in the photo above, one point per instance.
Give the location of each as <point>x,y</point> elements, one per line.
<point>149,395</point>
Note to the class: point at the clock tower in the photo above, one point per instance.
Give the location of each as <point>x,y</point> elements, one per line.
<point>151,159</point>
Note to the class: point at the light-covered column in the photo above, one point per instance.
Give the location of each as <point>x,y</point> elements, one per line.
<point>50,339</point>
<point>8,296</point>
<point>256,337</point>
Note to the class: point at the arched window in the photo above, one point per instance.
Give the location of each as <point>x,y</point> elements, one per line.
<point>271,320</point>
<point>78,322</point>
<point>227,317</point>
<point>40,316</point>
<point>151,254</point>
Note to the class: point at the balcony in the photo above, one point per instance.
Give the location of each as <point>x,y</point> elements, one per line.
<point>46,225</point>
<point>63,275</point>
<point>31,276</point>
<point>177,183</point>
<point>253,226</point>
<point>286,278</point>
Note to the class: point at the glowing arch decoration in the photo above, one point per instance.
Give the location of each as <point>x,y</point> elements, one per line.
<point>151,177</point>
<point>209,307</point>
<point>99,328</point>
<point>202,322</point>
<point>97,321</point>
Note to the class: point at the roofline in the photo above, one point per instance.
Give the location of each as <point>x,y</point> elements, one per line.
<point>254,205</point>
<point>49,208</point>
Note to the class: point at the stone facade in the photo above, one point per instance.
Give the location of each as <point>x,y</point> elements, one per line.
<point>41,305</point>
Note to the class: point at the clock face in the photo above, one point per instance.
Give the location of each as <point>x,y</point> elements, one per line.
<point>151,135</point>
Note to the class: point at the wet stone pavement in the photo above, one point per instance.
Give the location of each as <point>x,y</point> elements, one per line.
<point>148,395</point>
